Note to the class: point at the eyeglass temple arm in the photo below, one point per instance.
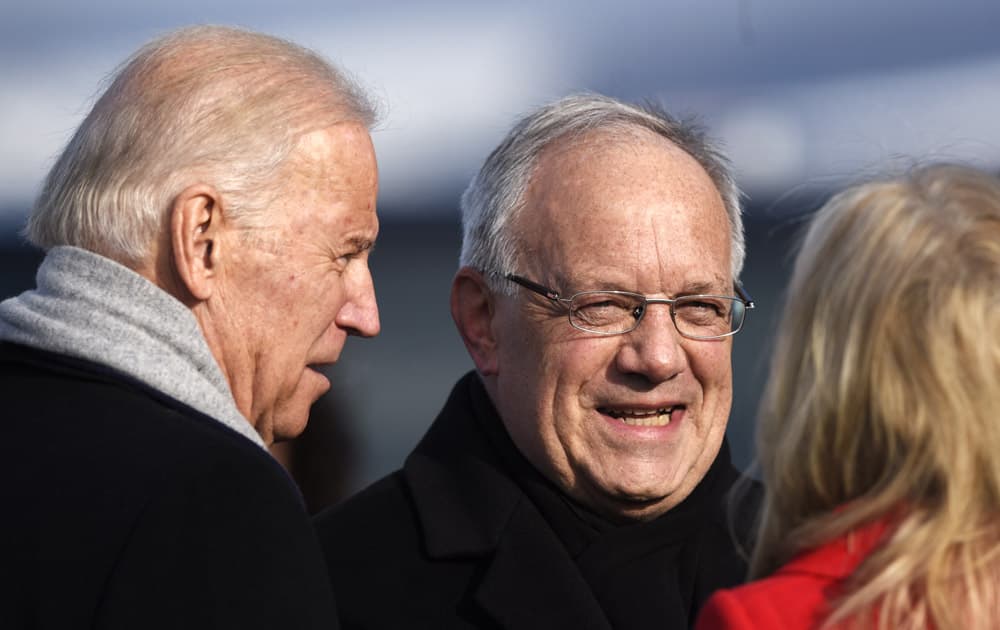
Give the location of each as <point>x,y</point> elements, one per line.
<point>741,292</point>
<point>534,286</point>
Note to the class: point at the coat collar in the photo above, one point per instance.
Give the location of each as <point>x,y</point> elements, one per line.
<point>839,558</point>
<point>450,472</point>
<point>470,509</point>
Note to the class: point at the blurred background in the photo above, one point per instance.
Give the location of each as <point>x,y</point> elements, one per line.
<point>806,97</point>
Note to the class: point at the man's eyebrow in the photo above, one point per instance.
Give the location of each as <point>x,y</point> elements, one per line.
<point>691,288</point>
<point>710,288</point>
<point>360,243</point>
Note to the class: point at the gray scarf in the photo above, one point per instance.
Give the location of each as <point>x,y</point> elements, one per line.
<point>93,308</point>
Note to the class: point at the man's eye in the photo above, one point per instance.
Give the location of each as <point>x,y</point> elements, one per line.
<point>598,306</point>
<point>601,310</point>
<point>699,305</point>
<point>348,257</point>
<point>701,309</point>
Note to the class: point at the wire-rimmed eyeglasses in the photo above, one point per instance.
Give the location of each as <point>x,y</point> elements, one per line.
<point>619,312</point>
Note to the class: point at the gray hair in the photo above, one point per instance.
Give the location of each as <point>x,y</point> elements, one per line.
<point>496,194</point>
<point>205,104</point>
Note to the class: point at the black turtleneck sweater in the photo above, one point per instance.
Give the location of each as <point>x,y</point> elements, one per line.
<point>469,535</point>
<point>642,572</point>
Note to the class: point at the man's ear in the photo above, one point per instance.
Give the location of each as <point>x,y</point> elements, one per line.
<point>196,223</point>
<point>472,309</point>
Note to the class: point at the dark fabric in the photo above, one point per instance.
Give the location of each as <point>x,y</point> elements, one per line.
<point>124,508</point>
<point>634,569</point>
<point>468,535</point>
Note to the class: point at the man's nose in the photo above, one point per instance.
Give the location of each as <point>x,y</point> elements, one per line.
<point>359,315</point>
<point>654,349</point>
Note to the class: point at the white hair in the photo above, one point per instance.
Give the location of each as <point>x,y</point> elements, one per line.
<point>207,104</point>
<point>497,193</point>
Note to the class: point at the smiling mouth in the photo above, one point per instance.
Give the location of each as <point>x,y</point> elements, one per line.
<point>642,417</point>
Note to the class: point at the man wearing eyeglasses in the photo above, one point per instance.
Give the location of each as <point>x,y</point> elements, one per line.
<point>579,477</point>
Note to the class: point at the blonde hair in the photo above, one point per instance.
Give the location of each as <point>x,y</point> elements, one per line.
<point>205,104</point>
<point>884,400</point>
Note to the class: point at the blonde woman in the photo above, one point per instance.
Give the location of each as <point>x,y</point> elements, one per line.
<point>879,436</point>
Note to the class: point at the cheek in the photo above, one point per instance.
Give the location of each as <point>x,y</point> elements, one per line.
<point>712,368</point>
<point>575,374</point>
<point>272,293</point>
<point>549,367</point>
<point>314,299</point>
<point>296,318</point>
<point>584,361</point>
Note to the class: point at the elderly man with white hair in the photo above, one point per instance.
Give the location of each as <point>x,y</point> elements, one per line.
<point>579,477</point>
<point>207,232</point>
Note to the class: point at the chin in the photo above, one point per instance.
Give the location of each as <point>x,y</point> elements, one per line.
<point>289,430</point>
<point>288,424</point>
<point>644,486</point>
<point>622,509</point>
<point>291,413</point>
<point>639,501</point>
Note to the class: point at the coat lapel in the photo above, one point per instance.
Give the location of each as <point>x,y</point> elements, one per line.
<point>471,511</point>
<point>533,583</point>
<point>838,558</point>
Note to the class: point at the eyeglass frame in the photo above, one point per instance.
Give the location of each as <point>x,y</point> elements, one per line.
<point>554,296</point>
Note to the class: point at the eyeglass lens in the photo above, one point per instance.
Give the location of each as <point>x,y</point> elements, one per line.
<point>696,316</point>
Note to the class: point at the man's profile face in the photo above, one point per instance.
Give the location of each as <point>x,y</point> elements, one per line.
<point>301,285</point>
<point>633,214</point>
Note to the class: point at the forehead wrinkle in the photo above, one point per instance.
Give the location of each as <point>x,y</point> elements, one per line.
<point>557,229</point>
<point>328,158</point>
<point>566,221</point>
<point>660,254</point>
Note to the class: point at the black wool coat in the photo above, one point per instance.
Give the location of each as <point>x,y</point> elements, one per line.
<point>123,508</point>
<point>452,541</point>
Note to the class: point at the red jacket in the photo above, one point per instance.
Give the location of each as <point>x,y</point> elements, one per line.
<point>797,594</point>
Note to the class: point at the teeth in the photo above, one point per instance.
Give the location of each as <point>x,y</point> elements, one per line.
<point>642,417</point>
